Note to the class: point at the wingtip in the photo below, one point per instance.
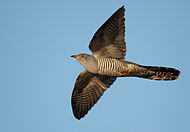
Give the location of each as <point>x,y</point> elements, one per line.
<point>77,115</point>
<point>122,7</point>
<point>78,118</point>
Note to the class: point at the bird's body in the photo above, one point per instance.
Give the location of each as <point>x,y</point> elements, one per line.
<point>106,63</point>
<point>111,67</point>
<point>103,65</point>
<point>119,68</point>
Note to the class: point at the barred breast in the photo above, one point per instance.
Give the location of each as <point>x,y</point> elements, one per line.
<point>110,67</point>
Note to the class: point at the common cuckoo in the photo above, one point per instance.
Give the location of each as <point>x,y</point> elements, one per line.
<point>106,63</point>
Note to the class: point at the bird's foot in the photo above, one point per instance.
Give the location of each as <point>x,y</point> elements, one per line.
<point>124,74</point>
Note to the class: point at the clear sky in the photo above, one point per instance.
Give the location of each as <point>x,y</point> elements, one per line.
<point>37,74</point>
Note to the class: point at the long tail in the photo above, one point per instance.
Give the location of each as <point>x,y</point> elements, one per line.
<point>152,72</point>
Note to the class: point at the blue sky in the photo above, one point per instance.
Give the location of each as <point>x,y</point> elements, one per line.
<point>37,74</point>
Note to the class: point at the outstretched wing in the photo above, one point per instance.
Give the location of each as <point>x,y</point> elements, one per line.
<point>109,40</point>
<point>87,91</point>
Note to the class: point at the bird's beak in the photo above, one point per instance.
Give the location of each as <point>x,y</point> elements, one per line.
<point>75,56</point>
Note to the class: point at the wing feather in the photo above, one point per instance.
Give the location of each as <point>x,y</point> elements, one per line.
<point>87,91</point>
<point>109,40</point>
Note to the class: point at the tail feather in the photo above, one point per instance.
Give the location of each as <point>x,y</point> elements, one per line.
<point>153,72</point>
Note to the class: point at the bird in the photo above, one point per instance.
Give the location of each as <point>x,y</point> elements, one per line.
<point>106,63</point>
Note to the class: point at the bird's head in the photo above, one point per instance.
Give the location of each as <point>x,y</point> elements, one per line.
<point>82,58</point>
<point>87,61</point>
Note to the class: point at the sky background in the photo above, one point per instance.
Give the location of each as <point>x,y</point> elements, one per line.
<point>37,74</point>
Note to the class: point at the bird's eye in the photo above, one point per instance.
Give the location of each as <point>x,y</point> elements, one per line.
<point>82,56</point>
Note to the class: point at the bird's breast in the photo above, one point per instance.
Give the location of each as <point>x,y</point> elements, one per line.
<point>110,67</point>
<point>90,65</point>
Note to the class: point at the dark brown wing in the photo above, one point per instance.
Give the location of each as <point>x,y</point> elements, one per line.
<point>109,40</point>
<point>88,89</point>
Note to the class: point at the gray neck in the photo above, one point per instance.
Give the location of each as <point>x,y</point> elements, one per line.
<point>90,65</point>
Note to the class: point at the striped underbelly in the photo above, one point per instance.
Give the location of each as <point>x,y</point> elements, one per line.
<point>111,67</point>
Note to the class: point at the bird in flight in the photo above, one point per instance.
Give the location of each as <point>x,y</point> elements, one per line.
<point>106,63</point>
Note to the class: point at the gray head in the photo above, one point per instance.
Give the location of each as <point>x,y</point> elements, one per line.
<point>87,61</point>
<point>82,57</point>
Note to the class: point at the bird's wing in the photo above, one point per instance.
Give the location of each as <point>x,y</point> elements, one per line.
<point>87,91</point>
<point>109,40</point>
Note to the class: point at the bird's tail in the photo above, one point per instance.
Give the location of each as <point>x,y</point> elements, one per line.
<point>152,72</point>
